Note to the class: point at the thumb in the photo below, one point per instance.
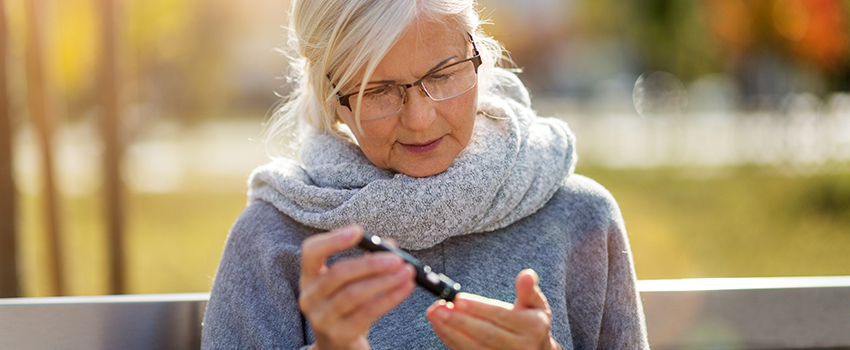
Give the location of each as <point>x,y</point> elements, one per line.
<point>528,294</point>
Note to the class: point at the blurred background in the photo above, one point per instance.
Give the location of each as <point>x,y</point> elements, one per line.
<point>128,129</point>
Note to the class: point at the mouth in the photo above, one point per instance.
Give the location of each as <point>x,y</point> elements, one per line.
<point>422,148</point>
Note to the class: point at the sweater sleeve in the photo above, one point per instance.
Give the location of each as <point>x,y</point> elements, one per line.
<point>254,298</point>
<point>605,311</point>
<point>623,325</point>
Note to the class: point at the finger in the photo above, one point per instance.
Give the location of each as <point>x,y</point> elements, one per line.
<point>482,331</point>
<point>354,295</point>
<point>338,310</point>
<point>439,315</point>
<point>454,339</point>
<point>346,272</point>
<point>502,329</point>
<point>329,320</point>
<point>507,316</point>
<point>391,241</point>
<point>528,293</point>
<point>383,302</point>
<point>316,249</point>
<point>496,311</point>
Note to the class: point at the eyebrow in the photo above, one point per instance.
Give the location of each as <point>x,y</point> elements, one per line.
<point>436,68</point>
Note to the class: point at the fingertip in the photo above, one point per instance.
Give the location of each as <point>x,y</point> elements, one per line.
<point>528,290</point>
<point>347,236</point>
<point>460,302</point>
<point>351,231</point>
<point>439,312</point>
<point>412,271</point>
<point>434,305</point>
<point>533,275</point>
<point>526,279</point>
<point>391,241</point>
<point>407,289</point>
<point>319,246</point>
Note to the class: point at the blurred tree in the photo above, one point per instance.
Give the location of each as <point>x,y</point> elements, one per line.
<point>181,50</point>
<point>825,40</point>
<point>39,113</point>
<point>530,49</point>
<point>177,54</point>
<point>8,201</point>
<point>781,46</point>
<point>109,90</point>
<point>74,38</point>
<point>671,36</point>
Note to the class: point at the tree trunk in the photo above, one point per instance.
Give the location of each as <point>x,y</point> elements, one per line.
<point>111,135</point>
<point>8,201</point>
<point>38,106</point>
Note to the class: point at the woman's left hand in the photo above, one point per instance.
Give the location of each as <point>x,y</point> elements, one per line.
<point>475,322</point>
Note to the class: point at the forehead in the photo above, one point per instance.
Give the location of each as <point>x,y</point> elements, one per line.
<point>422,46</point>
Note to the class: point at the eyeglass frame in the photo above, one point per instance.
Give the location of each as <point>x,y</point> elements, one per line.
<point>344,100</point>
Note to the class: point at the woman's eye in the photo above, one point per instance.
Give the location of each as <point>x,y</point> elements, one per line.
<point>377,92</point>
<point>442,76</point>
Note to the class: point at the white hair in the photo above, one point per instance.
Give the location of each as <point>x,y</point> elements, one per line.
<point>333,42</point>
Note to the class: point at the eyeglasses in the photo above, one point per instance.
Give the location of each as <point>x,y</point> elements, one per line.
<point>441,84</point>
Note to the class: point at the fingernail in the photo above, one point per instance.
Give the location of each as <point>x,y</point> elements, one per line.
<point>406,272</point>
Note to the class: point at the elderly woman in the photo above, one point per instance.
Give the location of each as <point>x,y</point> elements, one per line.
<point>411,132</point>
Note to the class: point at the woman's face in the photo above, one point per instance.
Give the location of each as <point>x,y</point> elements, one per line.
<point>423,138</point>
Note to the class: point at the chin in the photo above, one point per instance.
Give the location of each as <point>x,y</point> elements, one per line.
<point>424,170</point>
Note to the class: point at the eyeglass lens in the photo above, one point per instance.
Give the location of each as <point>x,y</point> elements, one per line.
<point>386,100</point>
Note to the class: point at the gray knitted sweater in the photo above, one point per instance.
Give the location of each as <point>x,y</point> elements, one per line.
<point>508,202</point>
<point>576,243</point>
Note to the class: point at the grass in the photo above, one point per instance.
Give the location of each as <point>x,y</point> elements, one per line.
<point>173,243</point>
<point>740,222</point>
<point>682,223</point>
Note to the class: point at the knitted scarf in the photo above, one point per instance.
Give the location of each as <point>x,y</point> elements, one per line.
<point>512,166</point>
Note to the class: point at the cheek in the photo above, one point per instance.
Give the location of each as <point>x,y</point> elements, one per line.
<point>373,131</point>
<point>375,140</point>
<point>462,117</point>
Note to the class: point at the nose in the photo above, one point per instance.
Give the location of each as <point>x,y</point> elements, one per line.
<point>419,110</point>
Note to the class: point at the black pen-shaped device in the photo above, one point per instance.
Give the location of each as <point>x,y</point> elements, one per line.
<point>437,283</point>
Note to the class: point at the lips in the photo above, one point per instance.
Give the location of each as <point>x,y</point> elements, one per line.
<point>422,148</point>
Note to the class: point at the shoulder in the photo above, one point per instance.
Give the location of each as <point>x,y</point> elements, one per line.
<point>583,197</point>
<point>264,235</point>
<point>261,220</point>
<point>582,213</point>
<point>259,216</point>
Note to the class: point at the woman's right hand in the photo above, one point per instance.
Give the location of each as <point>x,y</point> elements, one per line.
<point>343,300</point>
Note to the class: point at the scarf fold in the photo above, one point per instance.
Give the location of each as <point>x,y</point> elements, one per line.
<point>509,170</point>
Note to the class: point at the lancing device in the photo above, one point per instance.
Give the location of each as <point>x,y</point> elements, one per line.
<point>437,283</point>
